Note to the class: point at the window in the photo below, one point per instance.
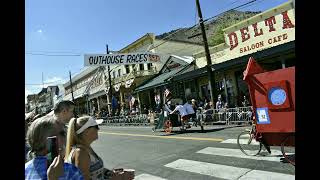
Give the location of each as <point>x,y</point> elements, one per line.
<point>141,67</point>
<point>127,69</point>
<point>149,66</point>
<point>119,72</point>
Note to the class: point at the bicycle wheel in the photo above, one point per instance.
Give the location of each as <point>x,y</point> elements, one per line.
<point>288,149</point>
<point>248,145</point>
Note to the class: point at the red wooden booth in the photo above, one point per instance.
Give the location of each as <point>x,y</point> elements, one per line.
<point>272,95</point>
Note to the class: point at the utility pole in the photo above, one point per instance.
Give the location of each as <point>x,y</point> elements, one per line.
<point>110,87</point>
<point>71,86</point>
<point>75,111</point>
<point>211,77</point>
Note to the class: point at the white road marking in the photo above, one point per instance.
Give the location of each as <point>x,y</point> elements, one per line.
<point>257,174</point>
<point>225,172</point>
<point>209,169</point>
<point>148,177</point>
<point>242,141</point>
<point>274,156</point>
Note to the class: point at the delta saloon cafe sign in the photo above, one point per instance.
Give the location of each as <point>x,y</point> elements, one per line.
<point>276,26</point>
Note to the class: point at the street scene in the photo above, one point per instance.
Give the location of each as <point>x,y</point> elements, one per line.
<point>192,155</point>
<point>201,90</point>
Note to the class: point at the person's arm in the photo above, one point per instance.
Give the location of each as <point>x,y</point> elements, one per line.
<point>175,109</point>
<point>55,169</point>
<point>82,161</point>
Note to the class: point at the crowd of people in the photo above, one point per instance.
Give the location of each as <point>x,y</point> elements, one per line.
<point>76,159</point>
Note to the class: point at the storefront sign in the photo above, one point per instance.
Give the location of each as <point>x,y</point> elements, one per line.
<point>120,59</point>
<point>272,31</point>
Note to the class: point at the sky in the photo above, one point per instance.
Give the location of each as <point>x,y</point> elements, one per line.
<point>59,32</point>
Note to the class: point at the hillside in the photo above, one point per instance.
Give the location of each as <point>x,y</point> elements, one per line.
<point>213,28</point>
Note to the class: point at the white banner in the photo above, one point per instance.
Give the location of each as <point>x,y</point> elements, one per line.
<point>120,59</point>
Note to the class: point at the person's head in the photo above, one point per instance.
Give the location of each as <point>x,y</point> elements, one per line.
<point>64,110</point>
<point>42,128</point>
<point>82,130</point>
<point>193,101</point>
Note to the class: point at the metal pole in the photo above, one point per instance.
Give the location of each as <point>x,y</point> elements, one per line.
<point>211,77</point>
<point>71,86</point>
<point>75,111</point>
<point>110,86</point>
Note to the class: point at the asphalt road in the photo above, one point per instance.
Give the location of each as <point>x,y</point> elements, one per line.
<point>189,155</point>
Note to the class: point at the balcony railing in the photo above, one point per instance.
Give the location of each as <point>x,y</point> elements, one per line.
<point>134,74</point>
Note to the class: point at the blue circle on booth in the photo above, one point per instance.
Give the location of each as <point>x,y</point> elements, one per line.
<point>277,96</point>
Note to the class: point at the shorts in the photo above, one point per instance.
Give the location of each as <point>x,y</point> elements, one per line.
<point>184,118</point>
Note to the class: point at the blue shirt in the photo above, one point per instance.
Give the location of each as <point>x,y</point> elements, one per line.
<point>37,169</point>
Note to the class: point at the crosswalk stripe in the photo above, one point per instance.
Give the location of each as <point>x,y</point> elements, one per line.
<point>274,156</point>
<point>148,177</point>
<point>224,171</point>
<point>242,141</point>
<point>209,169</point>
<point>257,174</point>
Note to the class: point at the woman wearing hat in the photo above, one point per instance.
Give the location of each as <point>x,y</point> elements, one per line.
<point>81,133</point>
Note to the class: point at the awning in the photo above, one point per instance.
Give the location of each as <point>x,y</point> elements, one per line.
<point>76,94</point>
<point>159,80</point>
<point>240,61</point>
<point>97,94</point>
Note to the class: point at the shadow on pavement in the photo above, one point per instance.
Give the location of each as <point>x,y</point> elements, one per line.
<point>174,132</point>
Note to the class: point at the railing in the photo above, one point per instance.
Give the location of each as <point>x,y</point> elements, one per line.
<point>130,120</point>
<point>226,115</point>
<point>133,74</point>
<point>229,116</point>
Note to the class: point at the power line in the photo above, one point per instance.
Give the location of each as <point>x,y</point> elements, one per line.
<point>45,54</point>
<point>167,37</point>
<point>231,10</point>
<point>54,52</point>
<point>255,3</point>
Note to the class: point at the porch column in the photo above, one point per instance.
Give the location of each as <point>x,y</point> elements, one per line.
<point>225,87</point>
<point>98,102</point>
<point>138,95</point>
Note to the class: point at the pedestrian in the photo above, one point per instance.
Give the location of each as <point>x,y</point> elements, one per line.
<point>64,111</point>
<point>183,113</point>
<point>220,103</point>
<point>36,168</point>
<point>81,133</point>
<point>245,102</point>
<point>220,107</point>
<point>190,111</point>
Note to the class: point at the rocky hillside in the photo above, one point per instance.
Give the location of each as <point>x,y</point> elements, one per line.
<point>213,28</point>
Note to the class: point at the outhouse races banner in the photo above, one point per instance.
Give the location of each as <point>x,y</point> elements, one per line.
<point>120,59</point>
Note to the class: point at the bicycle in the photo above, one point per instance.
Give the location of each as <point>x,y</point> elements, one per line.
<point>249,142</point>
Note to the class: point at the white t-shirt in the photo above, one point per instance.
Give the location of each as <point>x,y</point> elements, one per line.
<point>182,110</point>
<point>189,108</point>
